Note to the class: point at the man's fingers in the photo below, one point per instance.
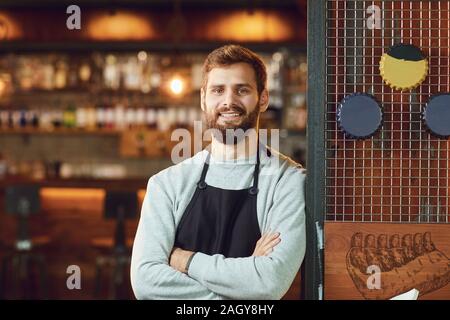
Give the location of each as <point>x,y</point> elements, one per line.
<point>264,236</point>
<point>265,244</point>
<point>271,244</point>
<point>269,238</point>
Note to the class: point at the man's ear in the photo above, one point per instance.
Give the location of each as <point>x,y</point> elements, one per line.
<point>264,101</point>
<point>202,99</point>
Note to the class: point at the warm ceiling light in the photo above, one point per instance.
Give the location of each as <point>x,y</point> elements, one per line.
<point>121,26</point>
<point>9,27</point>
<point>2,87</point>
<point>176,86</point>
<point>258,26</point>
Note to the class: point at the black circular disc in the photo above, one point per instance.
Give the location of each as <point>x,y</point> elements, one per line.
<point>437,115</point>
<point>359,116</point>
<point>403,51</point>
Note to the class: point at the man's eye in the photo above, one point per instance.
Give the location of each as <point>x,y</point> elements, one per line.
<point>243,91</point>
<point>217,90</point>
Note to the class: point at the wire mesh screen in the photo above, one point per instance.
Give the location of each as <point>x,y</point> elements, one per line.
<point>401,173</point>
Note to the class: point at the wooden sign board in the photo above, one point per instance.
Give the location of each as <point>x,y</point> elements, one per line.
<point>383,260</point>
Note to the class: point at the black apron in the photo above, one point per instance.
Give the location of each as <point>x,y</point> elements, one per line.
<point>220,221</point>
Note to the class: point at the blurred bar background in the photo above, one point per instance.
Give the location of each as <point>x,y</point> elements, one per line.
<point>88,112</point>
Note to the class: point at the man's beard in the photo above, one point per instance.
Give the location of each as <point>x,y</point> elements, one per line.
<point>232,133</point>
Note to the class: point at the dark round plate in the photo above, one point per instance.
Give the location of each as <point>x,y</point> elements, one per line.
<point>359,116</point>
<point>436,115</point>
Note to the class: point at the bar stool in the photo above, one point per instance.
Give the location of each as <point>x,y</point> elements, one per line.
<point>120,206</point>
<point>18,268</point>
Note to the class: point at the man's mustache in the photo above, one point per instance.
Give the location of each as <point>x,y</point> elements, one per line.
<point>236,109</point>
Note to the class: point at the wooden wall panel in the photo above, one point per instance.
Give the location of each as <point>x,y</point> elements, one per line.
<point>417,258</point>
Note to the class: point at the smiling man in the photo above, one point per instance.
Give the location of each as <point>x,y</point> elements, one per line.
<point>228,223</point>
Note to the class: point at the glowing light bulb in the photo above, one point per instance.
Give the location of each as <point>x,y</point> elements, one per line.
<point>176,86</point>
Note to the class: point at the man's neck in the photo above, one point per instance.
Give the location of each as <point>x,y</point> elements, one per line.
<point>244,149</point>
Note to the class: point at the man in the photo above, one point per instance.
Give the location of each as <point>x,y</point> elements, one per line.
<point>229,222</point>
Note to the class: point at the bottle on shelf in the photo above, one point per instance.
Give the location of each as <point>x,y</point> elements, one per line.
<point>4,115</point>
<point>81,117</point>
<point>45,120</point>
<point>69,117</point>
<point>91,117</point>
<point>111,73</point>
<point>3,167</point>
<point>109,117</point>
<point>151,118</point>
<point>100,117</point>
<point>57,118</point>
<point>130,118</point>
<point>119,116</point>
<point>61,75</point>
<point>34,119</point>
<point>22,119</point>
<point>48,75</point>
<point>140,117</point>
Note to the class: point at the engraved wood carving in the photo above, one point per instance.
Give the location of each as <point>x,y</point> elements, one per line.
<point>407,255</point>
<point>407,262</point>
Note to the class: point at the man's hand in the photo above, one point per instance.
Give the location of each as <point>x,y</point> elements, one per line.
<point>179,258</point>
<point>266,243</point>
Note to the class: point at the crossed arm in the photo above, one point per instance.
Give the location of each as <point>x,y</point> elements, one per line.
<point>180,258</point>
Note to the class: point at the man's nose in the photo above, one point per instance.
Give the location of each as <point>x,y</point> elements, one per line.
<point>228,99</point>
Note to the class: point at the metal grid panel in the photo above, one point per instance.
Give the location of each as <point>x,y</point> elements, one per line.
<point>402,173</point>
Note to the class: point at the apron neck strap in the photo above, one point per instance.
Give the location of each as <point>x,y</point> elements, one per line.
<point>253,189</point>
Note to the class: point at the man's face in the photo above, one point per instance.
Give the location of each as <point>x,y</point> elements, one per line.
<point>230,99</point>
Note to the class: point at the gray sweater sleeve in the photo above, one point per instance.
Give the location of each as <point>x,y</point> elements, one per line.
<point>151,275</point>
<point>266,277</point>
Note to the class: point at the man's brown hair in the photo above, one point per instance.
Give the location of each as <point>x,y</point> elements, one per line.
<point>231,54</point>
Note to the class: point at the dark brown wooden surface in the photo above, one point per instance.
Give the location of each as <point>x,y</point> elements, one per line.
<point>338,281</point>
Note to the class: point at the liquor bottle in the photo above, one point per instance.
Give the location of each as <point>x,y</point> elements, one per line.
<point>193,116</point>
<point>4,115</point>
<point>100,117</point>
<point>130,117</point>
<point>109,118</point>
<point>25,74</point>
<point>151,118</point>
<point>57,118</point>
<point>69,116</point>
<point>119,115</point>
<point>91,117</point>
<point>45,120</point>
<point>72,75</point>
<point>29,118</point>
<point>132,74</point>
<point>3,167</point>
<point>146,73</point>
<point>49,76</point>
<point>81,117</point>
<point>162,122</point>
<point>84,72</point>
<point>23,119</point>
<point>35,119</point>
<point>111,73</point>
<point>10,120</point>
<point>61,75</point>
<point>171,117</point>
<point>16,116</point>
<point>140,117</point>
<point>182,117</point>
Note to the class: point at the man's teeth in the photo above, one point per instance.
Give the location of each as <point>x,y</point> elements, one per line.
<point>229,115</point>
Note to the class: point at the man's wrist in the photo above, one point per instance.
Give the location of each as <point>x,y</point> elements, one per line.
<point>188,262</point>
